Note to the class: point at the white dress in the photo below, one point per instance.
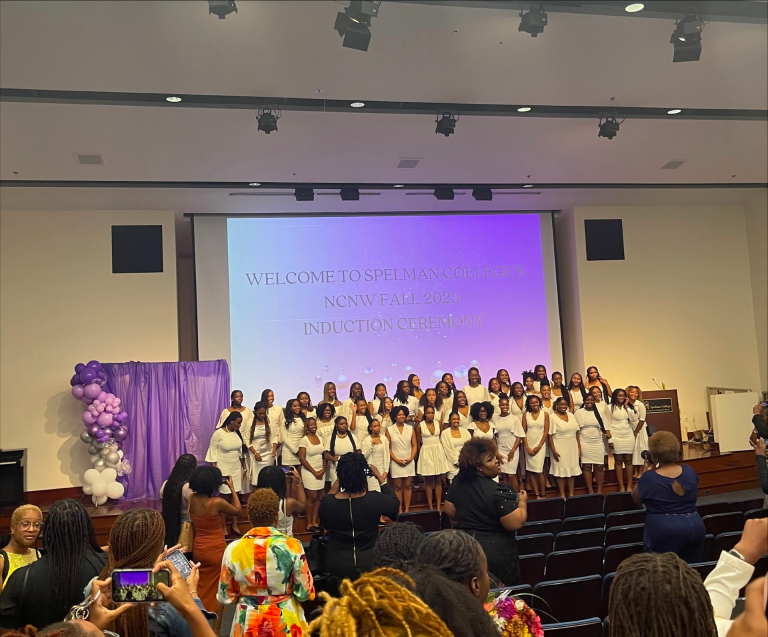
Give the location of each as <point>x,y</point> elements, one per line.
<point>641,441</point>
<point>515,410</point>
<point>262,446</point>
<point>247,415</point>
<point>341,446</point>
<point>412,404</point>
<point>535,432</point>
<point>401,447</point>
<point>276,416</point>
<point>605,412</point>
<point>577,398</point>
<point>495,402</point>
<point>622,437</point>
<point>290,436</point>
<point>477,394</point>
<point>345,409</point>
<point>509,428</point>
<point>324,429</point>
<point>591,437</point>
<point>464,421</point>
<point>315,460</point>
<point>452,447</point>
<point>564,438</point>
<point>361,429</point>
<point>432,461</point>
<point>226,449</point>
<point>377,456</point>
<point>476,432</point>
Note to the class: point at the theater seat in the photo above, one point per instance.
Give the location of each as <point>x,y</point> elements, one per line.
<point>545,526</point>
<point>742,506</point>
<point>523,590</point>
<point>619,501</point>
<point>726,541</point>
<point>615,555</point>
<point>579,539</point>
<point>625,518</point>
<point>580,505</point>
<point>547,509</point>
<point>568,600</point>
<point>530,544</point>
<point>704,568</point>
<point>584,628</point>
<point>605,594</point>
<point>532,568</point>
<point>708,554</point>
<point>624,535</point>
<point>429,521</point>
<point>578,563</point>
<point>756,513</point>
<point>713,508</point>
<point>584,523</point>
<point>723,523</point>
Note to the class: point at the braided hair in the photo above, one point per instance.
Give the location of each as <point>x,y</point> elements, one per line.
<point>377,604</point>
<point>180,474</point>
<point>397,545</point>
<point>67,535</point>
<point>350,471</point>
<point>400,394</point>
<point>457,554</point>
<point>234,415</point>
<point>267,431</point>
<point>659,595</point>
<point>350,435</point>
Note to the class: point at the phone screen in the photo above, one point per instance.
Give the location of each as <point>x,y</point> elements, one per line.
<point>286,469</point>
<point>180,562</point>
<point>138,585</point>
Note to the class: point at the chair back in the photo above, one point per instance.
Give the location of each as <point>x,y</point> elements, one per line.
<point>540,543</point>
<point>545,526</point>
<point>584,522</point>
<point>580,505</point>
<point>579,539</point>
<point>631,534</point>
<point>625,518</point>
<point>578,563</point>
<point>532,568</point>
<point>567,600</point>
<point>615,555</point>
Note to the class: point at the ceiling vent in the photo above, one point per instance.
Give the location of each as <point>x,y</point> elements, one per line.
<point>408,162</point>
<point>89,159</point>
<point>673,164</point>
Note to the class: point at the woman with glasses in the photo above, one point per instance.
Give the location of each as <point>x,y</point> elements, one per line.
<point>26,522</point>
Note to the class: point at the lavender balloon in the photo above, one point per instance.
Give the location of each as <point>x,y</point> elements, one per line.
<point>78,391</point>
<point>88,418</point>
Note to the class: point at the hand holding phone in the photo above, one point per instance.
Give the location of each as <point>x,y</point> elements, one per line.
<point>176,557</point>
<point>139,584</point>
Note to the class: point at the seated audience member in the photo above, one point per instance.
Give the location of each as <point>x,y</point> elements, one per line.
<point>489,511</point>
<point>351,517</point>
<point>44,591</point>
<point>669,491</point>
<point>760,420</point>
<point>175,493</point>
<point>762,469</point>
<point>274,478</point>
<point>397,545</point>
<point>266,574</point>
<point>26,522</point>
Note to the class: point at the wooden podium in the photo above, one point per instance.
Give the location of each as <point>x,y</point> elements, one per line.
<point>663,411</point>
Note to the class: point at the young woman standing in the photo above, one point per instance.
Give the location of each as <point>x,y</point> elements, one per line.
<point>359,419</point>
<point>509,430</point>
<point>329,396</point>
<point>325,415</point>
<point>403,398</point>
<point>312,459</point>
<point>605,412</point>
<point>461,407</point>
<point>446,402</point>
<point>379,394</point>
<point>506,385</point>
<point>236,404</point>
<point>274,412</point>
<point>385,408</point>
<point>622,441</point>
<point>453,439</point>
<point>432,464</point>
<point>517,400</point>
<point>415,384</point>
<point>307,410</point>
<point>262,440</point>
<point>635,399</point>
<point>448,378</point>
<point>291,433</point>
<point>227,452</point>
<point>536,426</point>
<point>430,399</point>
<point>494,389</point>
<point>558,388</point>
<point>482,425</point>
<point>339,442</point>
<point>592,436</point>
<point>576,392</point>
<point>402,451</point>
<point>540,377</point>
<point>355,393</point>
<point>475,392</point>
<point>595,380</point>
<point>375,448</point>
<point>528,385</point>
<point>566,447</point>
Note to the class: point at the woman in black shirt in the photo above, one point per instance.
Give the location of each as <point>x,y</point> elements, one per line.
<point>487,510</point>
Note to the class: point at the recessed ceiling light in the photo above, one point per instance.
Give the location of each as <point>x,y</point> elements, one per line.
<point>173,99</point>
<point>255,183</point>
<point>399,185</point>
<point>523,109</point>
<point>527,185</point>
<point>634,7</point>
<point>357,104</point>
<point>674,111</point>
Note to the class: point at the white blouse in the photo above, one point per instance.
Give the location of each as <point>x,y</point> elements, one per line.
<point>477,394</point>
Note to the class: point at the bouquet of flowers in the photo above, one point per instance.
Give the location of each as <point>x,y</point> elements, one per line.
<point>513,617</point>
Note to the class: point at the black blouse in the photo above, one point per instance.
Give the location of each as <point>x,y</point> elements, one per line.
<point>480,503</point>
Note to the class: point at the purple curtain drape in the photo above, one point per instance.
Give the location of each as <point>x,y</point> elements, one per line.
<point>172,409</point>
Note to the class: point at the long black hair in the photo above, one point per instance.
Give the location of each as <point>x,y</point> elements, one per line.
<point>290,417</point>
<point>456,405</point>
<point>272,477</point>
<point>234,415</point>
<point>310,406</point>
<point>582,386</point>
<point>350,435</point>
<point>423,400</point>
<point>400,394</point>
<point>535,374</point>
<point>451,385</point>
<point>626,404</point>
<point>350,470</point>
<point>180,474</point>
<point>597,414</point>
<point>265,396</point>
<point>365,413</point>
<point>450,390</point>
<point>267,429</point>
<point>603,386</point>
<point>362,391</point>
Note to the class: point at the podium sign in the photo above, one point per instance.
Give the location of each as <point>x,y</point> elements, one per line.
<point>663,411</point>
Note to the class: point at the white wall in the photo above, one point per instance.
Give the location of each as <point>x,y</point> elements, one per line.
<point>55,271</point>
<point>678,308</point>
<point>756,214</point>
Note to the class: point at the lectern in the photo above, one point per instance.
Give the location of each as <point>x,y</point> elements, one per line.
<point>663,411</point>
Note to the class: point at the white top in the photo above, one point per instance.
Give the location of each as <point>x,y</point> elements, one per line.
<point>377,455</point>
<point>284,522</point>
<point>401,443</point>
<point>324,429</point>
<point>495,402</point>
<point>723,585</point>
<point>342,446</point>
<point>259,441</point>
<point>577,398</point>
<point>412,404</point>
<point>314,453</point>
<point>551,409</point>
<point>276,416</point>
<point>588,425</point>
<point>479,433</point>
<point>247,415</point>
<point>361,429</point>
<point>639,406</point>
<point>291,435</point>
<point>452,446</point>
<point>376,403</point>
<point>620,417</point>
<point>477,394</point>
<point>464,421</point>
<point>226,449</point>
<point>508,427</point>
<point>515,410</point>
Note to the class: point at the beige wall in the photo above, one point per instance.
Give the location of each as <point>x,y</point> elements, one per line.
<point>55,268</point>
<point>678,308</point>
<point>756,215</point>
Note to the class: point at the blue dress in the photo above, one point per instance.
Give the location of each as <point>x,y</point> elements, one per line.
<point>672,524</point>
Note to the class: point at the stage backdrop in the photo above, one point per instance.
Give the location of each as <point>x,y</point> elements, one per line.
<point>294,302</point>
<point>172,409</point>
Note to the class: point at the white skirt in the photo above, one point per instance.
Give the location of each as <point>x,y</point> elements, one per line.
<point>509,466</point>
<point>432,460</point>
<point>255,467</point>
<point>641,444</point>
<point>592,451</point>
<point>568,465</point>
<point>398,471</point>
<point>623,440</point>
<point>310,481</point>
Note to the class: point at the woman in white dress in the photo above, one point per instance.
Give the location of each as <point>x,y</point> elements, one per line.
<point>517,400</point>
<point>414,382</point>
<point>482,421</point>
<point>379,394</point>
<point>536,426</point>
<point>236,404</point>
<point>358,420</point>
<point>576,392</point>
<point>605,412</point>
<point>443,390</point>
<point>592,435</point>
<point>510,433</point>
<point>329,396</point>
<point>461,407</point>
<point>227,451</point>
<point>566,447</point>
<point>311,457</point>
<point>453,439</point>
<point>622,441</point>
<point>262,440</point>
<point>403,398</point>
<point>432,464</point>
<point>339,442</point>
<point>540,377</point>
<point>494,389</point>
<point>385,407</point>
<point>307,409</point>
<point>475,391</point>
<point>274,412</point>
<point>430,399</point>
<point>402,451</point>
<point>291,432</point>
<point>376,451</point>
<point>325,417</point>
<point>635,400</point>
<point>558,388</point>
<point>595,380</point>
<point>355,393</point>
<point>528,385</point>
<point>506,384</point>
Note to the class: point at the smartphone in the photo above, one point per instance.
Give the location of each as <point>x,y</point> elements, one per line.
<point>180,562</point>
<point>286,469</point>
<point>764,403</point>
<point>138,584</point>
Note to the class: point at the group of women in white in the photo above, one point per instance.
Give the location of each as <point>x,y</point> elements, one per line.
<point>563,430</point>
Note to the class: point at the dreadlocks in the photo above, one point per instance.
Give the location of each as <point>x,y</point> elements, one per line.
<point>659,595</point>
<point>377,606</point>
<point>182,470</point>
<point>457,554</point>
<point>135,541</point>
<point>397,545</point>
<point>351,472</point>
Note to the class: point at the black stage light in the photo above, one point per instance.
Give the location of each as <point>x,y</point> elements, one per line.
<point>445,123</point>
<point>268,119</point>
<point>686,39</point>
<point>221,8</point>
<point>304,193</point>
<point>482,194</point>
<point>534,21</point>
<point>348,193</point>
<point>354,24</point>
<point>444,193</point>
<point>609,127</point>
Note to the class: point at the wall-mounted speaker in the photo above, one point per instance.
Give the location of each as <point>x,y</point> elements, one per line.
<point>604,239</point>
<point>137,249</point>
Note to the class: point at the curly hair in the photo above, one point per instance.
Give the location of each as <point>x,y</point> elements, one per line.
<point>263,505</point>
<point>474,411</point>
<point>393,413</point>
<point>20,511</point>
<point>664,447</point>
<point>397,545</point>
<point>455,553</point>
<point>472,454</point>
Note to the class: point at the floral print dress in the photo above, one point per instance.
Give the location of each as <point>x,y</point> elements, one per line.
<point>266,574</point>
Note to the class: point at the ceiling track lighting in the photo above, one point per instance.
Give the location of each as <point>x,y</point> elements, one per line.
<point>304,193</point>
<point>268,117</point>
<point>482,193</point>
<point>609,126</point>
<point>349,193</point>
<point>444,193</point>
<point>354,24</point>
<point>534,21</point>
<point>221,8</point>
<point>445,124</point>
<point>686,38</point>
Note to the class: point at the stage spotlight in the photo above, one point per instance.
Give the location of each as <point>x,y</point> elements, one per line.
<point>221,8</point>
<point>482,194</point>
<point>534,21</point>
<point>686,39</point>
<point>608,128</point>
<point>268,119</point>
<point>446,123</point>
<point>444,193</point>
<point>354,24</point>
<point>348,193</point>
<point>304,193</point>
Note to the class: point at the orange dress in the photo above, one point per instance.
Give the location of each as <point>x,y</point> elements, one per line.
<point>208,549</point>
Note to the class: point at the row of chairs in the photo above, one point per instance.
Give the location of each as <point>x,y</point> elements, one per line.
<point>584,522</point>
<point>572,540</point>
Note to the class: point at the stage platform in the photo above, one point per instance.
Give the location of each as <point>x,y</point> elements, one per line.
<point>718,473</point>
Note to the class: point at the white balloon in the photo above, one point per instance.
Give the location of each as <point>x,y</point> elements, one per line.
<point>102,499</point>
<point>115,490</point>
<point>99,488</point>
<point>87,489</point>
<point>120,453</point>
<point>91,476</point>
<point>109,475</point>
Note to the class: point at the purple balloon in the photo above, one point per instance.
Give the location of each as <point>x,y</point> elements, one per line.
<point>94,365</point>
<point>93,430</point>
<point>108,431</point>
<point>102,397</point>
<point>92,390</point>
<point>79,368</point>
<point>75,380</point>
<point>78,391</point>
<point>87,376</point>
<point>87,400</point>
<point>104,419</point>
<point>120,434</point>
<point>102,374</point>
<point>89,418</point>
<point>123,416</point>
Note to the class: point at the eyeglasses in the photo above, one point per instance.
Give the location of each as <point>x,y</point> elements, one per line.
<point>26,525</point>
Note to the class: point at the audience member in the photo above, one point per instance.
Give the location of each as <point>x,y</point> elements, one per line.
<point>489,511</point>
<point>762,468</point>
<point>753,622</point>
<point>274,478</point>
<point>175,493</point>
<point>266,574</point>
<point>397,545</point>
<point>26,522</point>
<point>43,592</point>
<point>669,491</point>
<point>760,420</point>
